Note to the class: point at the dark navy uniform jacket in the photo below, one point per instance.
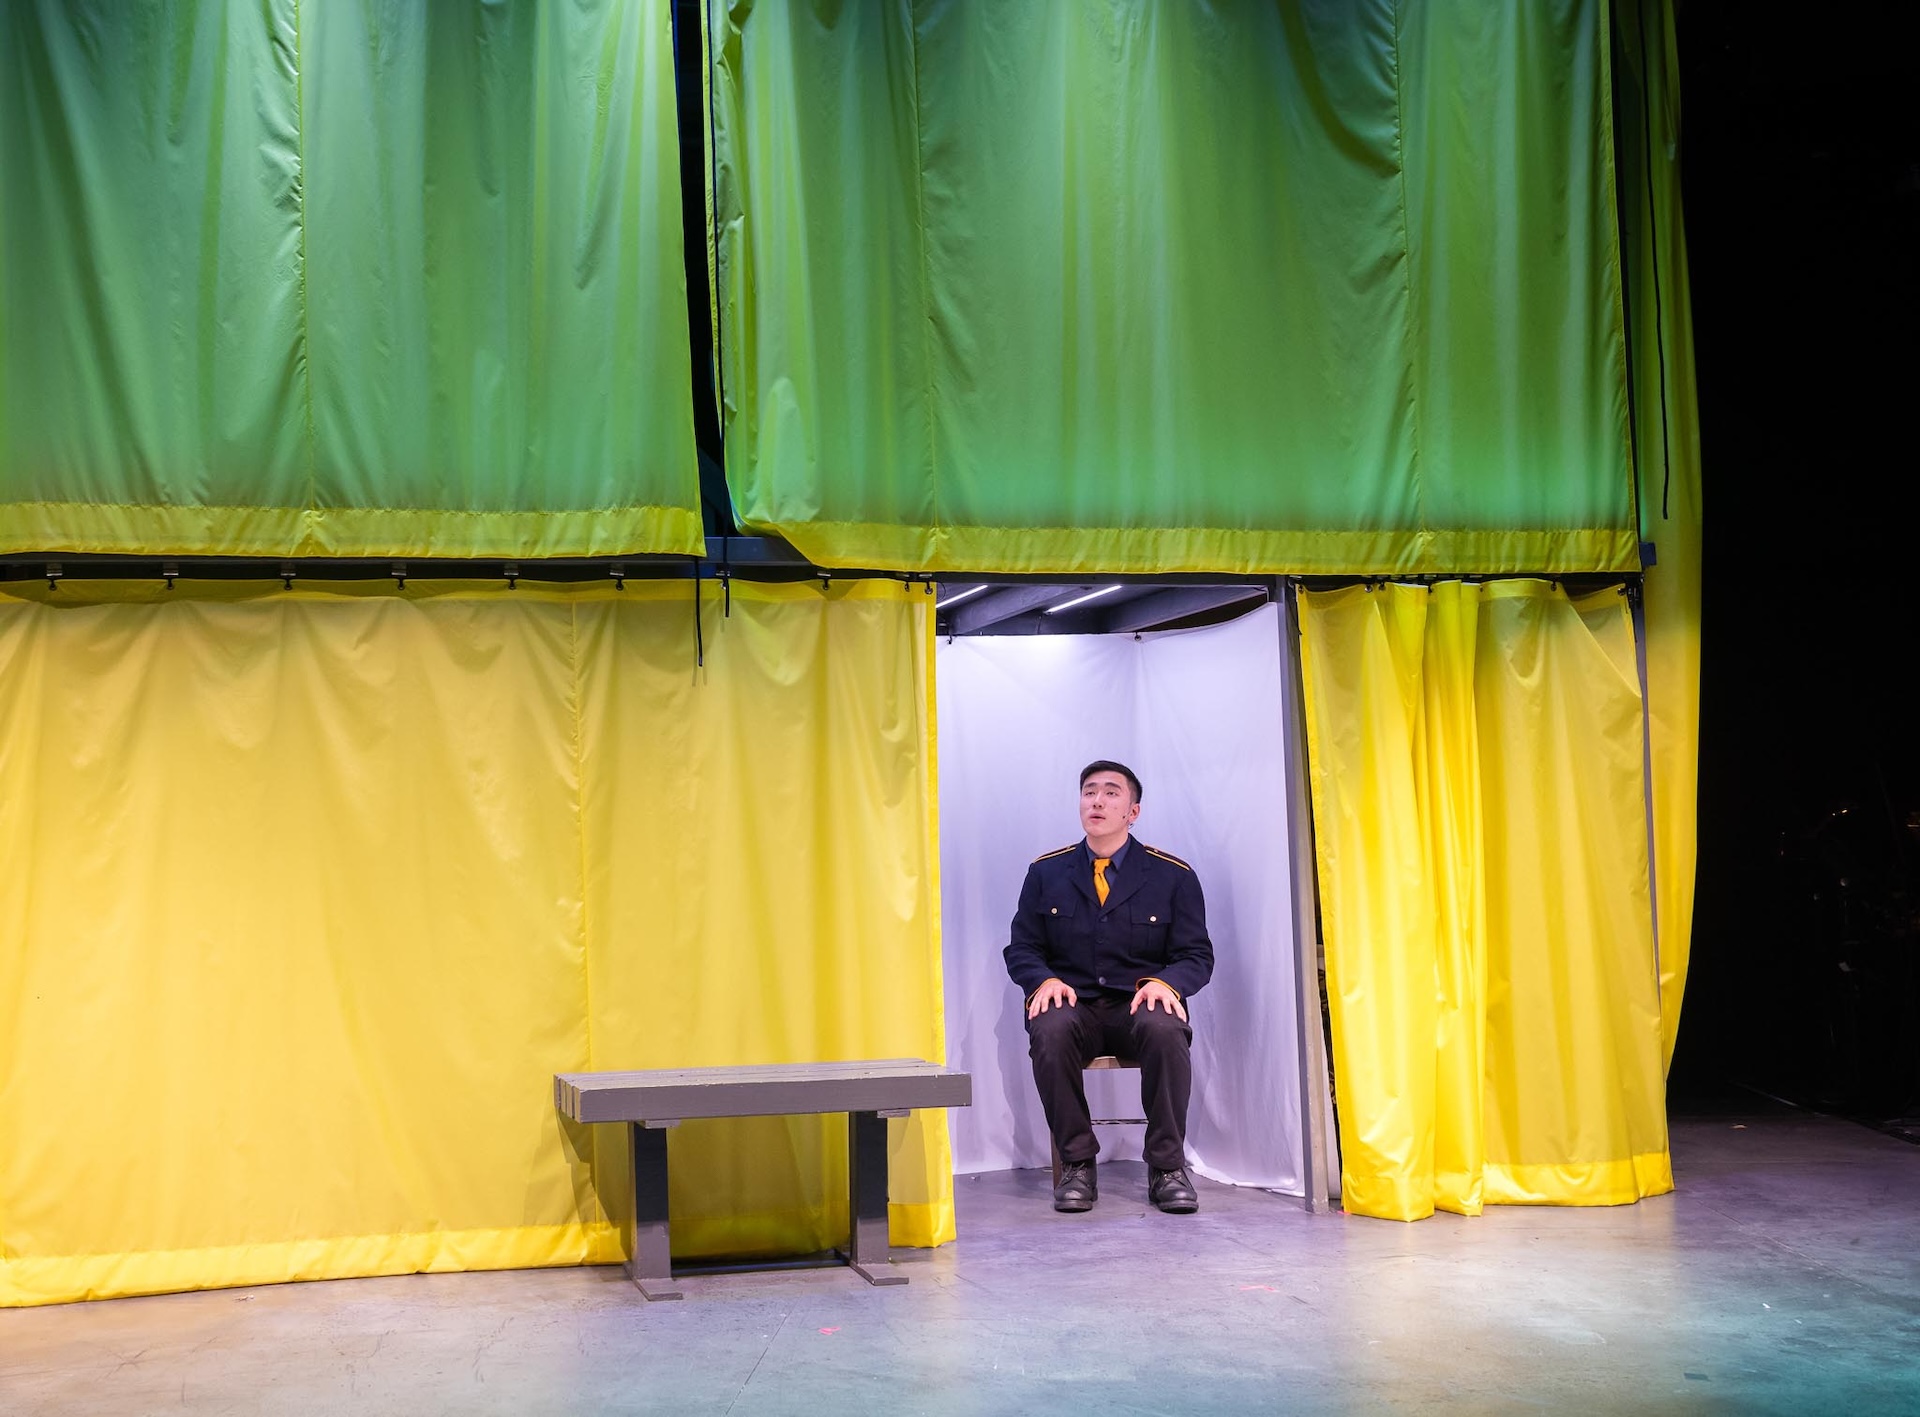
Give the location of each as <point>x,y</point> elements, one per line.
<point>1153,926</point>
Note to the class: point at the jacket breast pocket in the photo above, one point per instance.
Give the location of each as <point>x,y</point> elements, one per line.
<point>1151,920</point>
<point>1063,920</point>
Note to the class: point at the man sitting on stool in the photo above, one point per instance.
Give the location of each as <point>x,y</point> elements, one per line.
<point>1109,940</point>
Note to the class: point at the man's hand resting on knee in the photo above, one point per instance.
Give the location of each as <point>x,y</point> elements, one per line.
<point>1153,992</point>
<point>1055,994</point>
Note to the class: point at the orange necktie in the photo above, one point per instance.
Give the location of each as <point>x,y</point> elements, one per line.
<point>1100,864</point>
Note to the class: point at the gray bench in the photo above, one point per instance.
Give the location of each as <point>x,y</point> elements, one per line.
<point>868,1092</point>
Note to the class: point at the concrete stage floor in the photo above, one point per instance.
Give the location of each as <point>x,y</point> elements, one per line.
<point>1782,1277</point>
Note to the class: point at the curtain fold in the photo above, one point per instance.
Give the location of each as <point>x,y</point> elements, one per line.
<point>309,893</point>
<point>1666,461</point>
<point>382,279</point>
<point>1480,823</point>
<point>1164,287</point>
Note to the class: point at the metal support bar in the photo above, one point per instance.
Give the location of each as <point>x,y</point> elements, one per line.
<point>869,1250</point>
<point>1306,908</point>
<point>651,1267</point>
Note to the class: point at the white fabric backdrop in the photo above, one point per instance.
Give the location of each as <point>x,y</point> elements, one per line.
<point>1197,714</point>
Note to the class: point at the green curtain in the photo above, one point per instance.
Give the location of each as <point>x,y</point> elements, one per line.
<point>376,278</point>
<point>1129,286</point>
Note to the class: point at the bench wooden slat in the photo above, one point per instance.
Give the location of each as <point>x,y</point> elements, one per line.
<point>776,1089</point>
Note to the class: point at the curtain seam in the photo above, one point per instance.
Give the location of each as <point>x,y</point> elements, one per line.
<point>1636,613</point>
<point>312,507</point>
<point>1420,528</point>
<point>574,694</point>
<point>934,529</point>
<point>926,651</point>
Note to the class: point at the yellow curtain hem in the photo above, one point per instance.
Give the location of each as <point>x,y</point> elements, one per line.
<point>98,528</point>
<point>924,1226</point>
<point>1581,1183</point>
<point>1381,1198</point>
<point>1459,1192</point>
<point>1215,550</point>
<point>61,1279</point>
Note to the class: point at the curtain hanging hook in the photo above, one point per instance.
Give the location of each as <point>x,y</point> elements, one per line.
<point>618,570</point>
<point>169,572</point>
<point>399,573</point>
<point>53,575</point>
<point>511,570</point>
<point>287,573</point>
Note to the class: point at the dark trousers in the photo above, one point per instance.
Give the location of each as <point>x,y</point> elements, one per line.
<point>1062,1041</point>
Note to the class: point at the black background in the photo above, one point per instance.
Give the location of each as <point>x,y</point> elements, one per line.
<point>1801,168</point>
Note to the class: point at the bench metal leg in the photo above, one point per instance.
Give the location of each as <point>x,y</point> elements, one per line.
<point>869,1252</point>
<point>651,1267</point>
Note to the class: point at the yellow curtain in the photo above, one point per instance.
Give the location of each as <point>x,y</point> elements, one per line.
<point>304,895</point>
<point>1480,825</point>
<point>760,887</point>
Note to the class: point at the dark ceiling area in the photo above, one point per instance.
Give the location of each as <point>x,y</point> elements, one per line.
<point>1098,607</point>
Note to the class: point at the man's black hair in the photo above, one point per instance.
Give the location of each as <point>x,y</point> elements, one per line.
<point>1108,765</point>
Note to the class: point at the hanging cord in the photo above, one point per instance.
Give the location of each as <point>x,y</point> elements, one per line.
<point>699,636</point>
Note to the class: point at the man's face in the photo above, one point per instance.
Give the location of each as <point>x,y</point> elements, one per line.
<point>1106,804</point>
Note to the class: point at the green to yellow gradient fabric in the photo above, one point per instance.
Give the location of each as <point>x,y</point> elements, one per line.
<point>1481,832</point>
<point>1667,440</point>
<point>309,894</point>
<point>383,278</point>
<point>1136,287</point>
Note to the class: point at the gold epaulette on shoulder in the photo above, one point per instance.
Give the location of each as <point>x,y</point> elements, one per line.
<point>1061,852</point>
<point>1156,851</point>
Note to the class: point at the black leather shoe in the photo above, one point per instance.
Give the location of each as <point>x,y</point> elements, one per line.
<point>1173,1191</point>
<point>1077,1189</point>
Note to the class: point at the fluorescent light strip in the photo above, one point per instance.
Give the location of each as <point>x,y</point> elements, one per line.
<point>1082,599</point>
<point>956,599</point>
